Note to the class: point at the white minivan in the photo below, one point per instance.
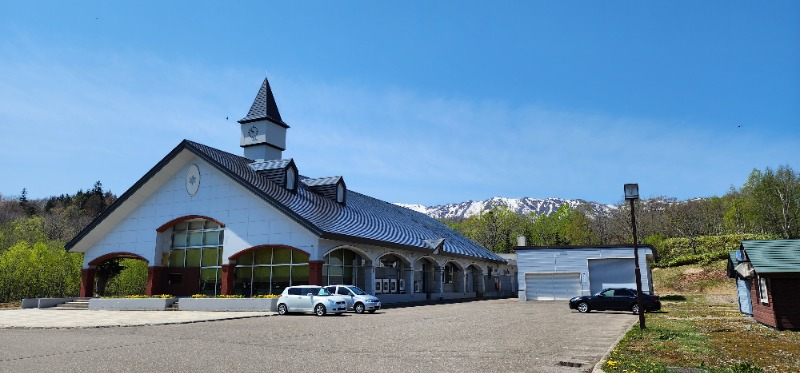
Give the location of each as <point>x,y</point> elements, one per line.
<point>310,298</point>
<point>357,300</point>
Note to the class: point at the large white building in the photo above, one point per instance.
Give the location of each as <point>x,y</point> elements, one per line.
<point>208,221</point>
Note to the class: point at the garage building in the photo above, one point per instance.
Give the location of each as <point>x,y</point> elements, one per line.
<point>562,272</point>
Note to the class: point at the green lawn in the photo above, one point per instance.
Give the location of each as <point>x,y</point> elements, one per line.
<point>701,329</point>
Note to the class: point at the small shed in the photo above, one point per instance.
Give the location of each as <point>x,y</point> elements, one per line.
<point>773,268</point>
<point>562,272</point>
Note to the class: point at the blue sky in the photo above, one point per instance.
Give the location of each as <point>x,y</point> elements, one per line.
<point>422,102</point>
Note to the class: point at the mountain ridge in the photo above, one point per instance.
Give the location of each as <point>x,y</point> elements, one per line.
<point>522,206</point>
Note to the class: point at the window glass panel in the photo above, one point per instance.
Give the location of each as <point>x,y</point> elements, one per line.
<point>179,239</point>
<point>335,271</point>
<point>196,224</point>
<point>211,225</point>
<point>208,274</point>
<point>210,257</point>
<point>243,273</point>
<point>195,239</point>
<point>176,258</point>
<point>282,256</point>
<point>348,257</point>
<point>245,259</point>
<point>182,226</point>
<point>192,258</point>
<point>280,273</point>
<point>336,258</point>
<point>212,238</point>
<point>325,271</point>
<point>299,274</point>
<point>261,280</point>
<point>299,257</point>
<point>262,256</point>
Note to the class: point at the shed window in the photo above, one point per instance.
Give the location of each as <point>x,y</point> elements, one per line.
<point>291,178</point>
<point>763,290</point>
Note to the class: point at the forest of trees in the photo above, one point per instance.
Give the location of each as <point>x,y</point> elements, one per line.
<point>767,206</point>
<point>33,262</point>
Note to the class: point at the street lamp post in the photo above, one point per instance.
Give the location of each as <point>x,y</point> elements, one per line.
<point>632,194</point>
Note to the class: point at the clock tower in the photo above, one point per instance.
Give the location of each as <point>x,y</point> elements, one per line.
<point>263,132</point>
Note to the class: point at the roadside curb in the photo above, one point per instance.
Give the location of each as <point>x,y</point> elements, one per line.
<point>598,367</point>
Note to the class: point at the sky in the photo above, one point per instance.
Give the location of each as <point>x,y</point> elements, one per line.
<point>414,102</point>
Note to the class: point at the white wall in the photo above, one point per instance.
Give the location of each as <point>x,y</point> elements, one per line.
<point>249,221</point>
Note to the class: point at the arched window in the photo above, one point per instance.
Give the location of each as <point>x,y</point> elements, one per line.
<point>343,267</point>
<point>449,273</point>
<point>197,243</point>
<point>269,270</point>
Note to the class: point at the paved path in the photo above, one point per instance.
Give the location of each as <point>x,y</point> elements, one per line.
<point>53,318</point>
<point>501,335</point>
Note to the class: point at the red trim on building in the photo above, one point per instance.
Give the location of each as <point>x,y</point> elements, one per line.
<point>250,249</point>
<point>124,255</point>
<point>172,222</point>
<point>315,272</point>
<point>228,279</point>
<point>87,282</point>
<point>155,280</point>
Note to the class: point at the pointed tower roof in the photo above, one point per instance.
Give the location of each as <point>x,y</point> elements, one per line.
<point>264,107</point>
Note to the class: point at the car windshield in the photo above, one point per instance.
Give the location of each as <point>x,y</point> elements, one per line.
<point>323,292</point>
<point>356,290</point>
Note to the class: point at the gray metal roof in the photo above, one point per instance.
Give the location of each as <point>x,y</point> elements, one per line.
<point>332,180</point>
<point>264,107</point>
<point>362,219</point>
<point>775,256</point>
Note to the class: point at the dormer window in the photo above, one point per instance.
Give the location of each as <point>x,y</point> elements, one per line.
<point>341,192</point>
<point>291,178</point>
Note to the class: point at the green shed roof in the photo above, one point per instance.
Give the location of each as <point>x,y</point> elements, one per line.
<point>778,256</point>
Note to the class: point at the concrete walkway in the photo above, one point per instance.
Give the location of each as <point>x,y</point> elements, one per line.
<point>44,318</point>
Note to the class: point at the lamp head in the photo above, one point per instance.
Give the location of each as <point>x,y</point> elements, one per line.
<point>631,191</point>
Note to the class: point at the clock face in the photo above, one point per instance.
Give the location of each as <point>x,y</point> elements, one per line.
<point>252,132</point>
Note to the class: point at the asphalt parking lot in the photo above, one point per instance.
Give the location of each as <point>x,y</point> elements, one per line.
<point>502,335</point>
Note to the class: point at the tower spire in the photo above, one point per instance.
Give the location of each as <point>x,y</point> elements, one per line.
<point>263,132</point>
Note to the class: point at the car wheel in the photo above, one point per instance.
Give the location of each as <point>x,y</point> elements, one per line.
<point>635,309</point>
<point>371,311</point>
<point>319,310</point>
<point>359,308</point>
<point>583,307</point>
<point>282,309</point>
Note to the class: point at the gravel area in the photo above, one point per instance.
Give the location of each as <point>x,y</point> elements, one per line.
<point>491,335</point>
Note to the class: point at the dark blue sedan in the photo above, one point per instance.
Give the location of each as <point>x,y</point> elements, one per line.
<point>614,300</point>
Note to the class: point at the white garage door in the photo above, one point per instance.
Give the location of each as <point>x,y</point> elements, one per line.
<point>552,286</point>
<point>611,273</point>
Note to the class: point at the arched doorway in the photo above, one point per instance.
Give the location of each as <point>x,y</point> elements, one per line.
<point>109,268</point>
<point>269,269</point>
<point>452,278</point>
<point>389,275</point>
<point>344,266</point>
<point>474,280</point>
<point>425,279</point>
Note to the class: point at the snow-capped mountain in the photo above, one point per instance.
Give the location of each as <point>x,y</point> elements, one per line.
<point>522,206</point>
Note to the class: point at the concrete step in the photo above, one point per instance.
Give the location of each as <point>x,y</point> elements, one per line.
<point>173,307</point>
<point>78,304</point>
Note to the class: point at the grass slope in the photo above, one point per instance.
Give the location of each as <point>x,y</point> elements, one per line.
<point>700,329</point>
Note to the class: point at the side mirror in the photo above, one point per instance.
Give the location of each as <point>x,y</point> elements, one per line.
<point>310,294</point>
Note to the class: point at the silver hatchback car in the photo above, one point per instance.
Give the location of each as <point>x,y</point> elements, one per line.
<point>357,300</point>
<point>310,298</point>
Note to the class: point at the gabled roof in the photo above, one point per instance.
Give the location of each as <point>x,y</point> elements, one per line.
<point>264,107</point>
<point>362,219</point>
<point>775,256</point>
